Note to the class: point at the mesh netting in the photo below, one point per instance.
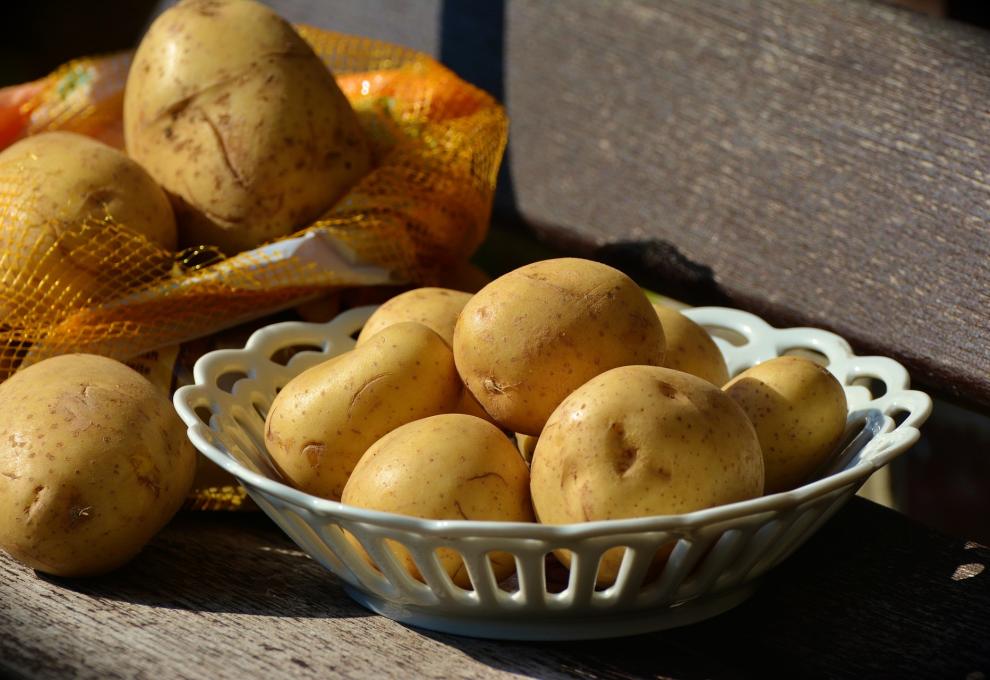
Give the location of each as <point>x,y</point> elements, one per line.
<point>99,287</point>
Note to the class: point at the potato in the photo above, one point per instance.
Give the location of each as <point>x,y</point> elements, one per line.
<point>799,411</point>
<point>435,308</point>
<point>638,441</point>
<point>469,405</point>
<point>690,348</point>
<point>235,115</point>
<point>526,443</point>
<point>531,337</point>
<point>56,182</point>
<point>451,466</point>
<point>93,462</point>
<point>325,418</point>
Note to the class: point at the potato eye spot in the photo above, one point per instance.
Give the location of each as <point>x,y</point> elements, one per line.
<point>313,451</point>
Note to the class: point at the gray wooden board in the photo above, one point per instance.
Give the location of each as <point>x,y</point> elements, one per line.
<point>820,163</point>
<point>228,596</point>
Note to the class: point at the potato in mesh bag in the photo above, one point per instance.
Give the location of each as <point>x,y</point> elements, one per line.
<point>64,198</point>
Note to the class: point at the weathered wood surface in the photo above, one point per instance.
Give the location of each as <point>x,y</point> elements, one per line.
<point>228,596</point>
<point>822,163</point>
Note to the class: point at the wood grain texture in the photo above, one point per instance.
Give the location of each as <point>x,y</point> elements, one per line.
<point>820,163</point>
<point>228,596</point>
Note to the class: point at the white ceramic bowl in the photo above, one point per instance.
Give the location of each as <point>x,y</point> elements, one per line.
<point>719,553</point>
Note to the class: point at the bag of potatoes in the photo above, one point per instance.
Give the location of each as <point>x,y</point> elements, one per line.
<point>248,165</point>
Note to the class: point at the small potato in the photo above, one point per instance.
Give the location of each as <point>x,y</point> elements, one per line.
<point>638,441</point>
<point>61,188</point>
<point>690,348</point>
<point>93,463</point>
<point>526,443</point>
<point>324,420</point>
<point>451,466</point>
<point>237,117</point>
<point>435,308</point>
<point>531,337</point>
<point>799,411</point>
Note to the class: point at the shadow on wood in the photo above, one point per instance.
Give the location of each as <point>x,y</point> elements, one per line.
<point>238,563</point>
<point>871,595</point>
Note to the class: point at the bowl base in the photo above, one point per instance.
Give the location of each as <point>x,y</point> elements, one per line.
<point>531,626</point>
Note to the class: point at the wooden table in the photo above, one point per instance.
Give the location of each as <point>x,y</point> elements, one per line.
<point>818,163</point>
<point>229,596</point>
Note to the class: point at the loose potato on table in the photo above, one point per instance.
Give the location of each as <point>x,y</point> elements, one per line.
<point>690,348</point>
<point>451,466</point>
<point>638,441</point>
<point>93,462</point>
<point>53,184</point>
<point>435,308</point>
<point>799,411</point>
<point>325,418</point>
<point>236,116</point>
<point>532,336</point>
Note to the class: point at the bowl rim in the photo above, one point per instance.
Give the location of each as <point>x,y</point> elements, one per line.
<point>189,397</point>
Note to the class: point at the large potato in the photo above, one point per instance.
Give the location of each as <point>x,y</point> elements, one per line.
<point>690,348</point>
<point>324,420</point>
<point>235,115</point>
<point>435,308</point>
<point>93,462</point>
<point>638,441</point>
<point>55,183</point>
<point>799,411</point>
<point>452,466</point>
<point>529,338</point>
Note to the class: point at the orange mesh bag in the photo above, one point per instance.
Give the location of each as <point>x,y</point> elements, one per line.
<point>437,144</point>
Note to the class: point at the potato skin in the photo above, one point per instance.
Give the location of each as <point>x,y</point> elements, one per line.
<point>690,348</point>
<point>435,308</point>
<point>325,418</point>
<point>235,115</point>
<point>526,444</point>
<point>63,181</point>
<point>638,441</point>
<point>532,336</point>
<point>93,463</point>
<point>799,411</point>
<point>452,466</point>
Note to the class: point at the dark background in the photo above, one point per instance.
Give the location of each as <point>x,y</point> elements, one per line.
<point>38,36</point>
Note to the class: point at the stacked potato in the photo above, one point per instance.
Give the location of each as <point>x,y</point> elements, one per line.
<point>236,133</point>
<point>618,404</point>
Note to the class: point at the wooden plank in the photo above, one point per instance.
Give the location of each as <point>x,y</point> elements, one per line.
<point>818,163</point>
<point>227,596</point>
